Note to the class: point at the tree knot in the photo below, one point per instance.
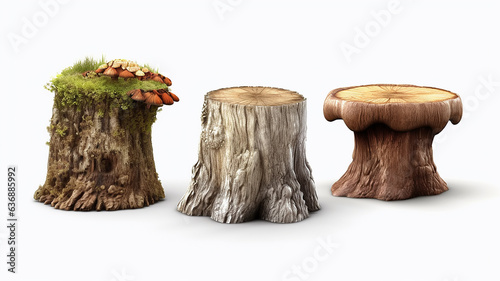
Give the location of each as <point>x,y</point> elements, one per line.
<point>213,138</point>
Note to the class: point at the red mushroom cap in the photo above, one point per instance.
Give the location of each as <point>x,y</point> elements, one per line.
<point>152,99</point>
<point>126,74</point>
<point>157,78</point>
<point>136,95</point>
<point>111,72</point>
<point>174,97</point>
<point>167,81</point>
<point>167,99</point>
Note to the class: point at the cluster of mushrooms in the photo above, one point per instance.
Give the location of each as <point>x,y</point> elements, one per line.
<point>129,69</point>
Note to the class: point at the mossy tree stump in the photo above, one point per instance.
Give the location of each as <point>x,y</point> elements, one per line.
<point>100,150</point>
<point>252,161</point>
<point>394,126</point>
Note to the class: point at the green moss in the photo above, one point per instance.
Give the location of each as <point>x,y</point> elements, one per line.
<point>86,121</point>
<point>40,192</point>
<point>142,119</point>
<point>118,133</point>
<point>61,130</point>
<point>72,89</point>
<point>57,181</point>
<point>100,113</point>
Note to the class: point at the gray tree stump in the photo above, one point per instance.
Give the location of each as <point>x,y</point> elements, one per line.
<point>252,160</point>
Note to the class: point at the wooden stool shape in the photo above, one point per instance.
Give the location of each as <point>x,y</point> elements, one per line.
<point>394,126</point>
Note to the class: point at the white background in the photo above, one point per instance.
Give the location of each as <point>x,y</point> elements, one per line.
<point>295,45</point>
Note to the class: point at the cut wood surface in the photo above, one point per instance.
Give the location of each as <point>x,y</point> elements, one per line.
<point>256,96</point>
<point>252,160</point>
<point>401,107</point>
<point>394,126</point>
<point>394,93</point>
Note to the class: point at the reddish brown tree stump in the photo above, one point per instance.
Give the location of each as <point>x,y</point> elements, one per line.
<point>394,126</point>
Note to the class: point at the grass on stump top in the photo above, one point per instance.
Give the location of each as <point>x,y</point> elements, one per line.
<point>72,89</point>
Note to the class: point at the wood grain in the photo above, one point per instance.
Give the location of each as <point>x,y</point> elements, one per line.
<point>394,126</point>
<point>401,107</point>
<point>263,96</point>
<point>390,165</point>
<point>252,161</point>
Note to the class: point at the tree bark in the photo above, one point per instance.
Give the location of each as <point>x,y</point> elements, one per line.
<point>101,159</point>
<point>252,161</point>
<point>394,126</point>
<point>391,165</point>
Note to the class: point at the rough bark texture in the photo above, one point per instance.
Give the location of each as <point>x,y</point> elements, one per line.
<point>394,126</point>
<point>100,160</point>
<point>390,165</point>
<point>252,162</point>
